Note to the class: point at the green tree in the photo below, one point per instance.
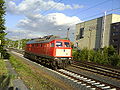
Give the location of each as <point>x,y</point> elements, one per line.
<point>97,56</point>
<point>114,60</point>
<point>14,44</point>
<point>111,50</point>
<point>23,43</point>
<point>91,55</point>
<point>75,54</point>
<point>84,54</point>
<point>2,27</point>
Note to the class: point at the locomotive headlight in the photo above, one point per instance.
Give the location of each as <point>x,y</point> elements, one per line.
<point>56,58</point>
<point>70,58</point>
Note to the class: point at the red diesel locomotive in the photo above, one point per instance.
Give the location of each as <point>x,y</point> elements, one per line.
<point>50,50</point>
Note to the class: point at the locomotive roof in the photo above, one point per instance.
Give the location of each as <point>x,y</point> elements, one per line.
<point>44,41</point>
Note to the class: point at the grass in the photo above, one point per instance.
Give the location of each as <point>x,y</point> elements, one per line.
<point>5,77</point>
<point>33,79</point>
<point>3,69</point>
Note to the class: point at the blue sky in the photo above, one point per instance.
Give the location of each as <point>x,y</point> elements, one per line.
<point>36,18</point>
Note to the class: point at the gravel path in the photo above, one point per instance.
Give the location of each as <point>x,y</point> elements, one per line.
<point>17,83</point>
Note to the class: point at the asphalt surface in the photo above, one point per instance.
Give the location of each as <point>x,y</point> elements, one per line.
<point>17,83</point>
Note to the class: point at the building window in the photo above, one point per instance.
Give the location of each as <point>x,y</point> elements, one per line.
<point>115,40</point>
<point>116,27</point>
<point>115,46</point>
<point>115,33</point>
<point>81,33</point>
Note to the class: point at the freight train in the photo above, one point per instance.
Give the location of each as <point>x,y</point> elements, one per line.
<point>50,50</point>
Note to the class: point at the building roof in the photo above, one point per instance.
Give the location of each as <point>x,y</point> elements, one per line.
<point>96,18</point>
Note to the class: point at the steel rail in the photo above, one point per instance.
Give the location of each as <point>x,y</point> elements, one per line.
<point>98,69</point>
<point>89,83</point>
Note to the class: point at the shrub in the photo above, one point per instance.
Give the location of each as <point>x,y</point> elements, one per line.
<point>75,54</point>
<point>111,50</point>
<point>106,56</point>
<point>114,60</point>
<point>83,55</point>
<point>91,55</point>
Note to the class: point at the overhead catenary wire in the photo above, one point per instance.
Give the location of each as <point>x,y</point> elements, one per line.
<point>51,7</point>
<point>101,13</point>
<point>115,9</point>
<point>98,4</point>
<point>92,7</point>
<point>107,11</point>
<point>77,12</point>
<point>82,10</point>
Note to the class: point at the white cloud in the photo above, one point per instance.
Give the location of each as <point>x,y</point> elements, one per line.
<point>16,34</point>
<point>61,19</point>
<point>49,24</point>
<point>37,6</point>
<point>54,19</point>
<point>76,6</point>
<point>11,7</point>
<point>36,25</point>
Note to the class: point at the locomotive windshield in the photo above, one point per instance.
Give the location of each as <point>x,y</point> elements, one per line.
<point>66,44</point>
<point>52,44</point>
<point>59,44</point>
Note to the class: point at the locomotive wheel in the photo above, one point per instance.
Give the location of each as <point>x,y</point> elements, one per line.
<point>55,68</point>
<point>70,62</point>
<point>25,55</point>
<point>54,65</point>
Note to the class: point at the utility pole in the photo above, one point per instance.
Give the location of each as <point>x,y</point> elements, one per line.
<point>19,42</point>
<point>68,33</point>
<point>103,29</point>
<point>90,38</point>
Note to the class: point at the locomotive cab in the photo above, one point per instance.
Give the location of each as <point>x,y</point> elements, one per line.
<point>63,52</point>
<point>62,49</point>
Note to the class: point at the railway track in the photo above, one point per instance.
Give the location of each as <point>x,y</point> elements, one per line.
<point>86,83</point>
<point>109,72</point>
